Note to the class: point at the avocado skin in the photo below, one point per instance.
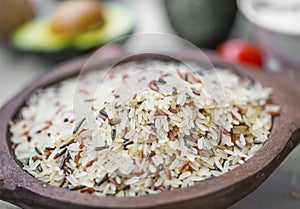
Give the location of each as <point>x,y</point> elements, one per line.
<point>54,57</point>
<point>205,23</point>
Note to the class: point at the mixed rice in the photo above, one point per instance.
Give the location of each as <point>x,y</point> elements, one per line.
<point>149,126</point>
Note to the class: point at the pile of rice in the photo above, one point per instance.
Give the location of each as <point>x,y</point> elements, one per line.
<point>156,132</point>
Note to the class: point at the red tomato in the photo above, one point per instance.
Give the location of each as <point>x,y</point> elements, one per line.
<point>241,51</point>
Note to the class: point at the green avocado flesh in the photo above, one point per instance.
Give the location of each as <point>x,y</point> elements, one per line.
<point>36,35</point>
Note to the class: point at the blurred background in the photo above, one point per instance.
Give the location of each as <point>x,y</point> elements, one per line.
<point>35,35</point>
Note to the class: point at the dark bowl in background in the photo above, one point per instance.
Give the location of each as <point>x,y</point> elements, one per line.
<point>205,23</point>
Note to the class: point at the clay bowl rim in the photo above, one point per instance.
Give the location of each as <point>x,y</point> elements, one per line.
<point>277,150</point>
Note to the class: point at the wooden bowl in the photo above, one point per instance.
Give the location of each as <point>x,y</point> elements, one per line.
<point>22,189</point>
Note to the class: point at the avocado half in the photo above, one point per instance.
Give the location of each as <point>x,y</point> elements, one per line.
<point>37,36</point>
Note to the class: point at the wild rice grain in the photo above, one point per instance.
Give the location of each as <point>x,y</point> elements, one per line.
<point>220,134</point>
<point>50,148</point>
<point>150,155</point>
<point>103,114</point>
<point>65,145</point>
<point>77,157</point>
<point>117,106</point>
<point>153,85</point>
<point>184,166</point>
<point>161,81</point>
<point>14,146</point>
<point>168,174</point>
<point>195,92</point>
<point>127,142</point>
<point>38,151</point>
<point>39,168</point>
<point>160,112</point>
<point>126,187</point>
<point>67,170</point>
<point>27,161</point>
<point>172,110</point>
<point>160,188</point>
<point>168,188</point>
<point>62,182</point>
<point>79,187</point>
<point>91,162</point>
<point>63,161</point>
<point>152,126</point>
<point>174,91</point>
<point>99,181</point>
<point>257,142</point>
<point>113,134</point>
<point>35,158</point>
<point>79,124</point>
<point>101,148</point>
<point>113,181</point>
<point>186,77</point>
<point>87,189</point>
<point>60,153</point>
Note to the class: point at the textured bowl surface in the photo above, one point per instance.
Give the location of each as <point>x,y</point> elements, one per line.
<point>22,189</point>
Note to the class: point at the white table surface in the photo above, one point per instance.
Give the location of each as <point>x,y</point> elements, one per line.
<point>19,70</point>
